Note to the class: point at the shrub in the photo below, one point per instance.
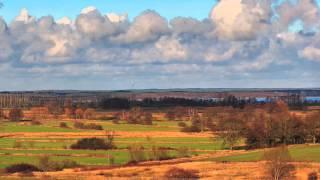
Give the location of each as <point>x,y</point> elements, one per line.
<point>46,164</point>
<point>164,154</point>
<point>93,126</point>
<point>190,129</point>
<point>105,118</point>
<point>278,163</point>
<point>63,125</point>
<point>24,168</point>
<point>112,160</point>
<point>115,121</point>
<point>35,123</point>
<point>80,125</point>
<point>313,176</point>
<point>183,152</point>
<point>137,153</point>
<point>160,153</point>
<point>178,173</point>
<point>65,164</point>
<point>93,144</point>
<point>31,144</point>
<point>182,124</point>
<point>17,144</point>
<point>16,114</point>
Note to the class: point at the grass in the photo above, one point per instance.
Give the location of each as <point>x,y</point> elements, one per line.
<point>53,126</point>
<point>170,126</point>
<point>171,142</point>
<point>11,127</point>
<point>27,154</point>
<point>53,148</point>
<point>246,157</point>
<point>120,158</point>
<point>30,149</point>
<point>10,157</point>
<point>303,153</point>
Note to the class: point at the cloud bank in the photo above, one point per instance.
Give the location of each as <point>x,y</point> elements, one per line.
<point>244,43</point>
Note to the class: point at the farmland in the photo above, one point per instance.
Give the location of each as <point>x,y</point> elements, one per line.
<point>26,142</point>
<point>190,143</point>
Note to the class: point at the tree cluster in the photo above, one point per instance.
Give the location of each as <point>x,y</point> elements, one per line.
<point>138,116</point>
<point>268,126</point>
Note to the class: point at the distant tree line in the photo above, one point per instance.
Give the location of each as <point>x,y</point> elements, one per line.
<point>123,103</point>
<point>232,101</point>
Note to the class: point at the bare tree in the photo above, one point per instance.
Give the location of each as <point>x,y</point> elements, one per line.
<point>89,113</point>
<point>79,113</point>
<point>278,163</point>
<point>2,115</point>
<point>15,114</point>
<point>313,126</point>
<point>231,129</point>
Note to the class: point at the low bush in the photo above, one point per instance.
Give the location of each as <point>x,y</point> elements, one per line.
<point>313,176</point>
<point>182,124</point>
<point>94,144</point>
<point>80,125</point>
<point>183,152</point>
<point>116,121</point>
<point>46,164</point>
<point>178,173</point>
<point>160,153</point>
<point>63,125</point>
<point>137,153</point>
<point>36,123</point>
<point>105,118</point>
<point>190,129</point>
<point>112,160</point>
<point>22,168</point>
<point>17,144</point>
<point>93,126</point>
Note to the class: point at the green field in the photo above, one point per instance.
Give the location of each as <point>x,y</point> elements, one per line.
<point>53,126</point>
<point>121,143</point>
<point>298,153</point>
<point>33,148</point>
<point>29,150</point>
<point>10,127</point>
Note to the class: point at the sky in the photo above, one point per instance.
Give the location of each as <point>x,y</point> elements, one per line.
<point>143,44</point>
<point>59,8</point>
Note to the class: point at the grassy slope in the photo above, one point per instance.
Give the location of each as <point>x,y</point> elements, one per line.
<point>298,153</point>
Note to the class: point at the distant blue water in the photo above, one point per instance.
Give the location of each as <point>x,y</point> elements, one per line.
<point>308,99</point>
<point>261,99</point>
<point>312,98</point>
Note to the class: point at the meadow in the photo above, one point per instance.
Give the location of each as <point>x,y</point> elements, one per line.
<point>42,141</point>
<point>298,153</point>
<point>30,142</point>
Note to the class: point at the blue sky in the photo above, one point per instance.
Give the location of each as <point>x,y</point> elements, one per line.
<point>71,8</point>
<point>225,44</point>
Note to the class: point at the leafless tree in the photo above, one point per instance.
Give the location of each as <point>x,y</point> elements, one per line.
<point>278,163</point>
<point>15,114</point>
